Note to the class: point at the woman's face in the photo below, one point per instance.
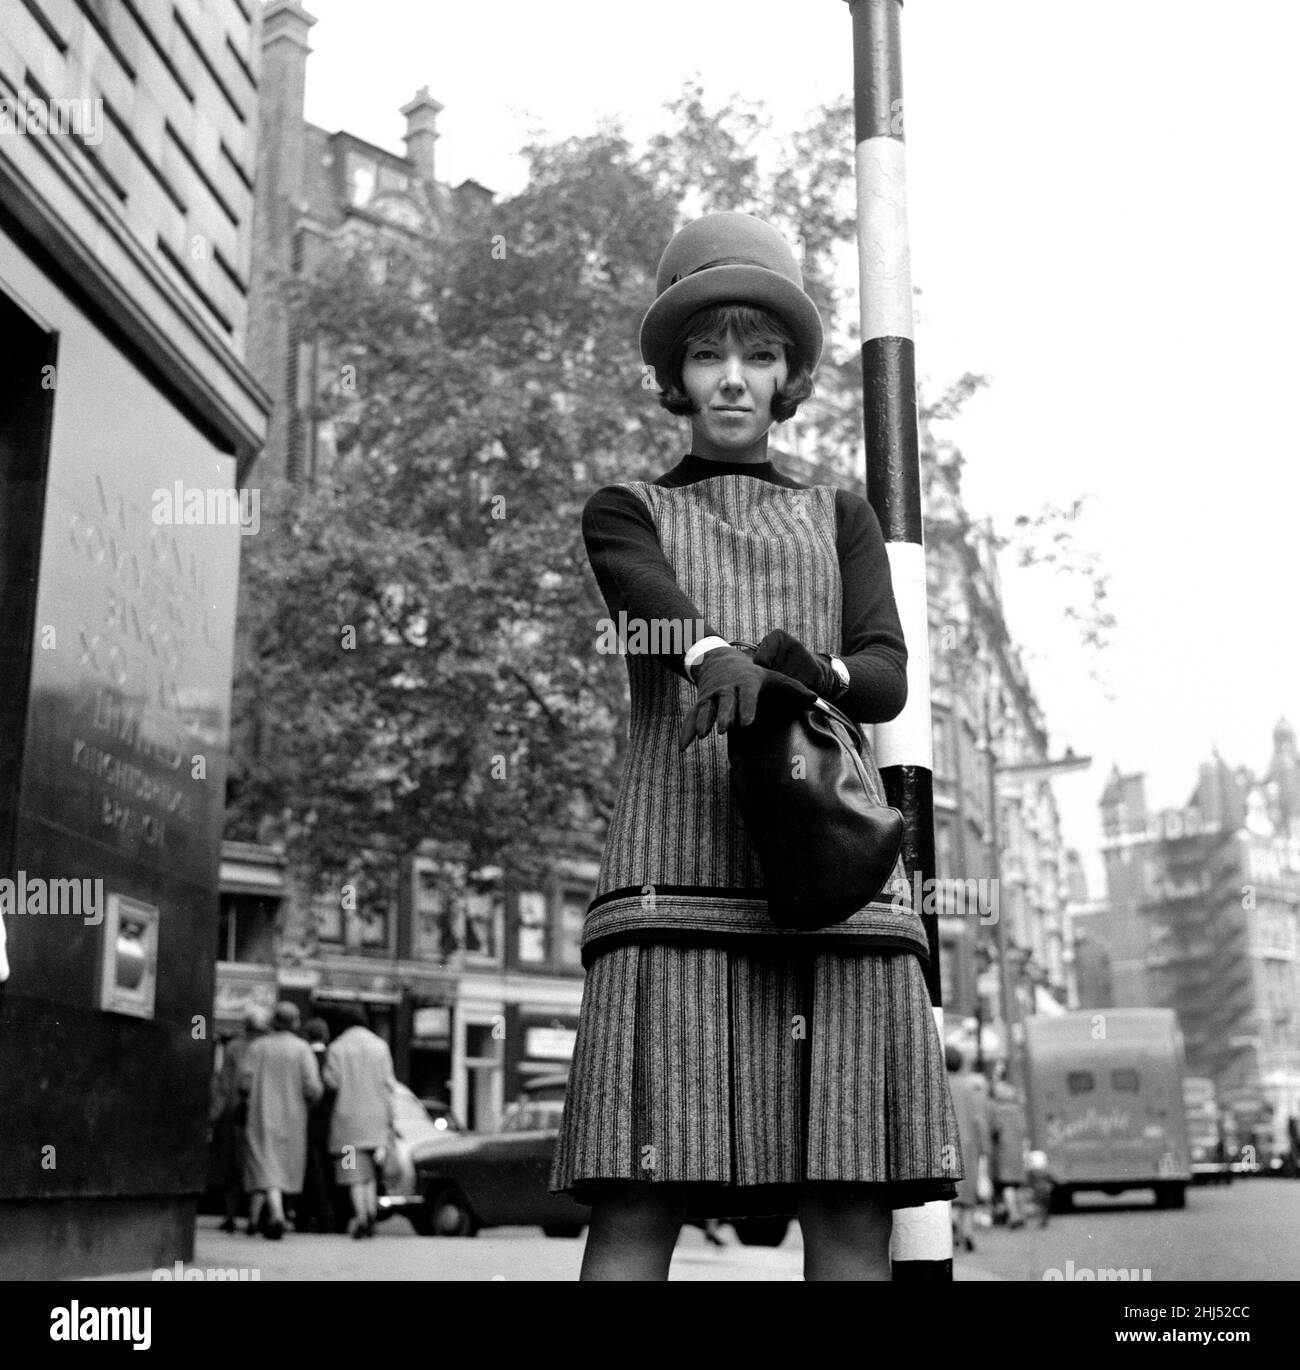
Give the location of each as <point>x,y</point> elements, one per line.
<point>733,384</point>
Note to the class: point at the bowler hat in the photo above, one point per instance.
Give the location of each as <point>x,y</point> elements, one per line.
<point>728,259</point>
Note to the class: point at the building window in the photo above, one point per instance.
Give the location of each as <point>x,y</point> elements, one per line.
<point>573,912</point>
<point>246,928</point>
<point>327,912</point>
<point>434,934</point>
<point>943,767</point>
<point>361,179</point>
<point>1080,1082</point>
<point>534,930</point>
<point>354,910</point>
<point>945,859</point>
<point>483,920</point>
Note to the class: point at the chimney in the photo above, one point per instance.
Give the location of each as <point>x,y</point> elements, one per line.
<point>422,132</point>
<point>282,90</point>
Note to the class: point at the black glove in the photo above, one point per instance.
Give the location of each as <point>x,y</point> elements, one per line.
<point>782,651</point>
<point>729,685</point>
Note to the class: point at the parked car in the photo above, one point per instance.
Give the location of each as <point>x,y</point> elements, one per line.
<point>500,1179</point>
<point>418,1129</point>
<point>1207,1132</point>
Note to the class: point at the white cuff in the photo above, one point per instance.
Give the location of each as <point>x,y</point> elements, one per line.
<point>697,650</point>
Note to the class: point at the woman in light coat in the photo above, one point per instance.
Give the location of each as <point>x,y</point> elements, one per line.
<point>279,1076</point>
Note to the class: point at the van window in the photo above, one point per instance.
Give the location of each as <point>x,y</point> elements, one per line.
<point>1124,1080</point>
<point>1080,1082</point>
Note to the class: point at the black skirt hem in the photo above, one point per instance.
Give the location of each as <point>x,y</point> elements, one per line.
<point>714,1199</point>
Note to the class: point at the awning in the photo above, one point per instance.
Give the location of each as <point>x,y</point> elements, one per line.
<point>355,996</point>
<point>252,873</point>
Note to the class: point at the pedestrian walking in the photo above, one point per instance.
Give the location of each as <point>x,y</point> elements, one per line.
<point>971,1105</point>
<point>279,1077</point>
<point>230,1108</point>
<point>1008,1142</point>
<point>359,1067</point>
<point>316,1210</point>
<point>725,1067</point>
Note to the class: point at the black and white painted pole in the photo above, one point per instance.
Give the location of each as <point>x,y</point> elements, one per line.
<point>922,1241</point>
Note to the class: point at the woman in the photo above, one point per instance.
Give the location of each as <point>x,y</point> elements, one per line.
<point>359,1068</point>
<point>1007,1124</point>
<point>723,1067</point>
<point>279,1076</point>
<point>973,1122</point>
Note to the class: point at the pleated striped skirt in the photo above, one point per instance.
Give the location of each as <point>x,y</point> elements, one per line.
<point>742,1073</point>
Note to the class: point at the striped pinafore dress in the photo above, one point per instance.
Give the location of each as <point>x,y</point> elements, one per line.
<point>713,1049</point>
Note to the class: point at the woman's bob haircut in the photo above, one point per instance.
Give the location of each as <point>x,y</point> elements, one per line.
<point>750,326</point>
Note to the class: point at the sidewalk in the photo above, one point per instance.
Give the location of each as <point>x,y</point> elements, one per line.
<point>396,1253</point>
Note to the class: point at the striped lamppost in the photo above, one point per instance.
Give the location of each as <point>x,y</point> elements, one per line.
<point>922,1240</point>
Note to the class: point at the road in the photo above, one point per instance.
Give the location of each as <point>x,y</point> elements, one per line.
<point>1249,1230</point>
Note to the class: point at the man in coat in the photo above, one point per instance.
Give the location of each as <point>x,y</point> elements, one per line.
<point>279,1076</point>
<point>359,1066</point>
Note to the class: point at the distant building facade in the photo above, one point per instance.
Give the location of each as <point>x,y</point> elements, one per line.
<point>1203,916</point>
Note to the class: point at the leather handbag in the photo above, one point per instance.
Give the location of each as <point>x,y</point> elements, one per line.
<point>814,810</point>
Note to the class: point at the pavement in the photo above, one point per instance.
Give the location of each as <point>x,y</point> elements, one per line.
<point>519,1253</point>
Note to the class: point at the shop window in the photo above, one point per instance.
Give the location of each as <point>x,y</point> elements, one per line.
<point>573,912</point>
<point>534,930</point>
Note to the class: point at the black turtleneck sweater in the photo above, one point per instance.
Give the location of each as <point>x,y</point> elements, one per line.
<point>635,578</point>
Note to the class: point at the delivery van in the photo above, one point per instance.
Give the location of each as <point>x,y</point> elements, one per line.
<point>1106,1102</point>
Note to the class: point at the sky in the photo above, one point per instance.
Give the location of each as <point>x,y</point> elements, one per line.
<point>1104,219</point>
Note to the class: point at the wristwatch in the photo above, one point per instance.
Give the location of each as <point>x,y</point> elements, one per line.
<point>841,674</point>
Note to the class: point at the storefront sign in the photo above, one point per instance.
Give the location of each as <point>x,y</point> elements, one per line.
<point>431,1022</point>
<point>550,1043</point>
<point>239,991</point>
